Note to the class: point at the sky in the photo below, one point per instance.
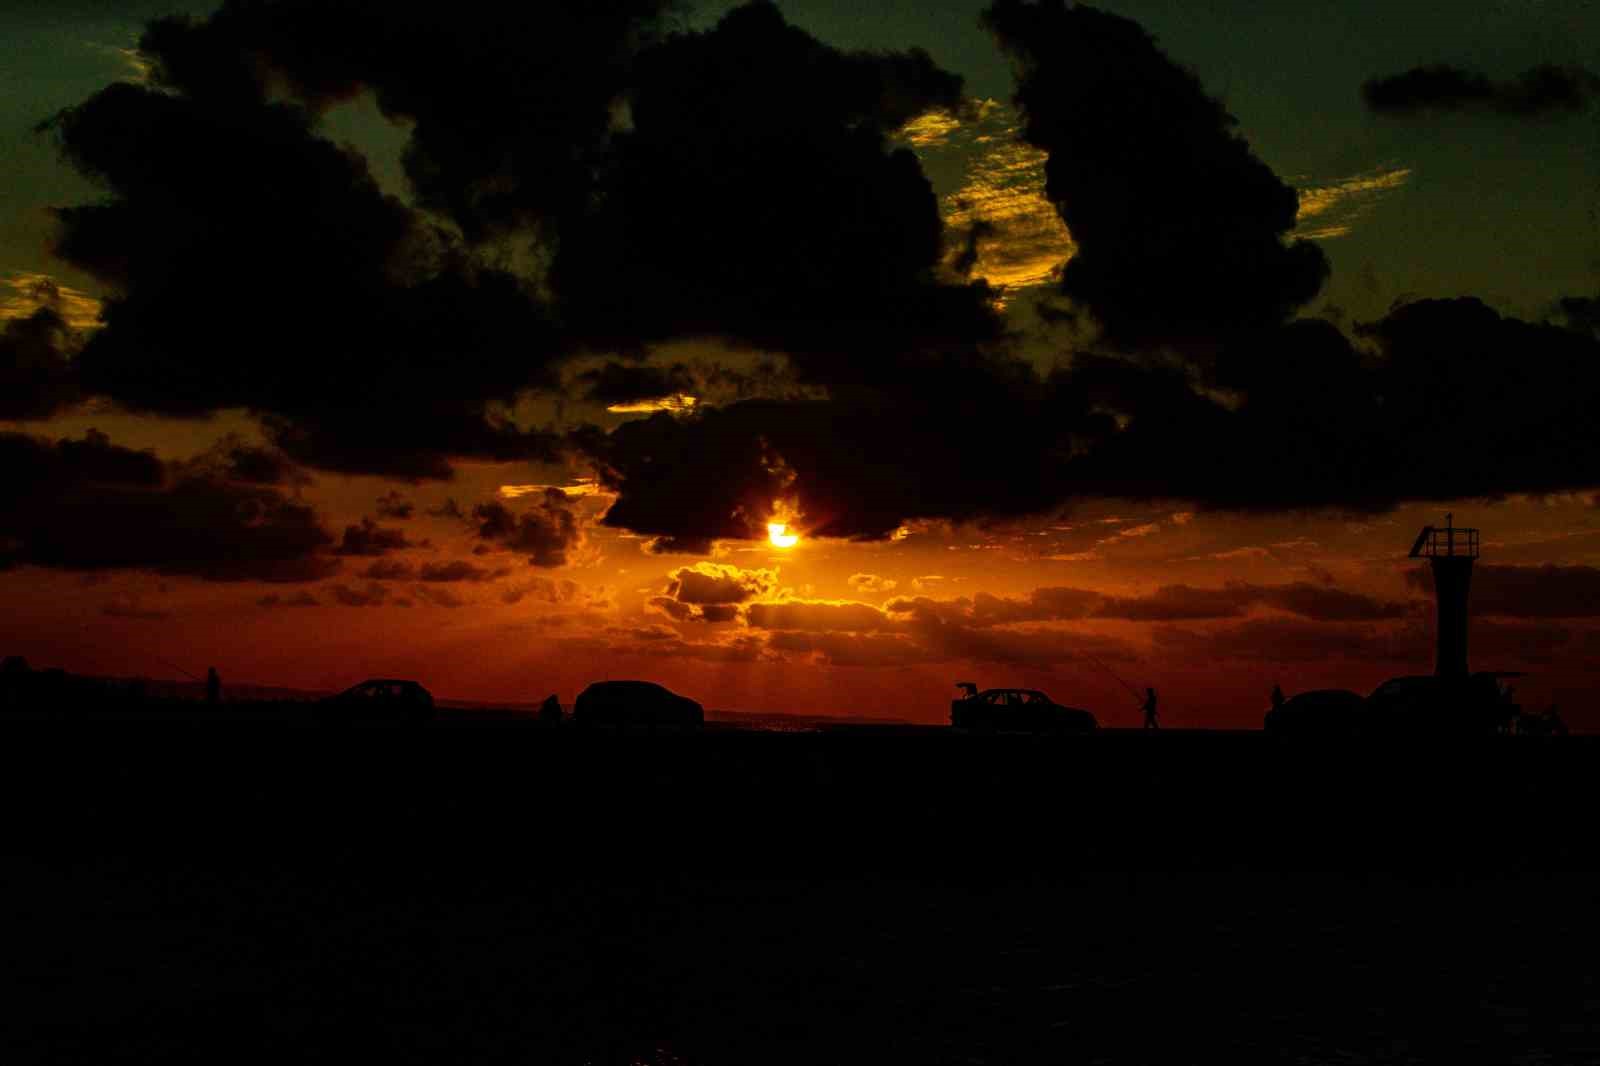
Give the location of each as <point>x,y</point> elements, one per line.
<point>1074,348</point>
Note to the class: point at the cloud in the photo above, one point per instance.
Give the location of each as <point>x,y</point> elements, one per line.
<point>1180,229</point>
<point>817,616</point>
<point>871,583</point>
<point>438,597</point>
<point>711,592</point>
<point>871,650</point>
<point>37,378</point>
<point>369,538</point>
<point>1292,641</point>
<point>456,570</point>
<point>216,195</point>
<point>1331,210</point>
<point>373,595</point>
<point>1014,236</point>
<point>753,136</point>
<point>542,589</point>
<point>299,599</point>
<point>234,459</point>
<point>393,505</point>
<point>32,293</point>
<point>547,532</point>
<point>1539,92</point>
<point>390,570</point>
<point>633,385</point>
<point>1168,603</point>
<point>705,584</point>
<point>133,608</point>
<point>91,505</point>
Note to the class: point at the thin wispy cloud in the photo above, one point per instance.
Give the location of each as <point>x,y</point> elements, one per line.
<point>31,292</point>
<point>1015,238</point>
<point>1331,210</point>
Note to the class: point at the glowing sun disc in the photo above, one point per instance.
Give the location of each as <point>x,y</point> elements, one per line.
<point>778,533</point>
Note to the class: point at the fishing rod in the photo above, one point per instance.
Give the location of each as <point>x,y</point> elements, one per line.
<point>1133,691</point>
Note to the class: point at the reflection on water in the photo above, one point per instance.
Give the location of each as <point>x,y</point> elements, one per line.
<point>546,967</point>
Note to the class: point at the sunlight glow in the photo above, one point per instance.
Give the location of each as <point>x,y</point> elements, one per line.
<point>778,533</point>
<point>677,403</point>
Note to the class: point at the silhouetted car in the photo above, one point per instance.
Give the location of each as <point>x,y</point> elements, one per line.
<point>380,700</point>
<point>1424,703</point>
<point>1017,710</point>
<point>635,704</point>
<point>1323,712</point>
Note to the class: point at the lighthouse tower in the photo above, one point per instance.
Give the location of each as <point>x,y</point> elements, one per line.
<point>1450,550</point>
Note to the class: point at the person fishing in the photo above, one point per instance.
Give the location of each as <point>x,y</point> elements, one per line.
<point>1152,720</point>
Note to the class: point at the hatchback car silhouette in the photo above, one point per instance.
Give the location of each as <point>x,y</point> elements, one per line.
<point>635,704</point>
<point>1325,712</point>
<point>380,700</point>
<point>1016,710</point>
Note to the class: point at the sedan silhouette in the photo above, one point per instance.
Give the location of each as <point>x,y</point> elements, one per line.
<point>623,704</point>
<point>1017,710</point>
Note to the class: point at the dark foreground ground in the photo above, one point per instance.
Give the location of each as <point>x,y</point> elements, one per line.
<point>179,892</point>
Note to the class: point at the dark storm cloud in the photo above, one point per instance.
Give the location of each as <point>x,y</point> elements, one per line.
<point>511,106</point>
<point>754,194</point>
<point>547,532</point>
<point>369,538</point>
<point>91,505</point>
<point>1180,229</point>
<point>618,383</point>
<point>957,436</point>
<point>36,374</point>
<point>1527,591</point>
<point>1539,92</point>
<point>394,505</point>
<point>235,459</point>
<point>258,265</point>
<point>1316,423</point>
<point>736,182</point>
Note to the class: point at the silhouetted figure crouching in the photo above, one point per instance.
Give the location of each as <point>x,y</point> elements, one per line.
<point>1152,720</point>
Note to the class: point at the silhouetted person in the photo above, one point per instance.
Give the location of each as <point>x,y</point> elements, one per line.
<point>1509,710</point>
<point>213,687</point>
<point>1277,696</point>
<point>550,710</point>
<point>1553,722</point>
<point>1152,720</point>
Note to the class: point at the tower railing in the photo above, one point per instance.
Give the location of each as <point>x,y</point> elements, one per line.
<point>1446,542</point>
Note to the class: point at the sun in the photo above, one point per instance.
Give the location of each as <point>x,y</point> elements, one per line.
<point>778,533</point>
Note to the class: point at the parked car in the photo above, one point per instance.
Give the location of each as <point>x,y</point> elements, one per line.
<point>1427,704</point>
<point>635,704</point>
<point>380,700</point>
<point>1323,712</point>
<point>1016,710</point>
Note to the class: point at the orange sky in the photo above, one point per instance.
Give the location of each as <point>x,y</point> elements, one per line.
<point>504,583</point>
